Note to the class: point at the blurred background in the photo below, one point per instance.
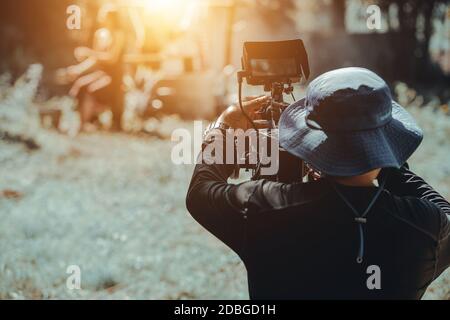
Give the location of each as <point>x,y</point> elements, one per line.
<point>90,92</point>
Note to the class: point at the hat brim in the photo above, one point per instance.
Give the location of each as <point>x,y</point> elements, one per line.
<point>350,153</point>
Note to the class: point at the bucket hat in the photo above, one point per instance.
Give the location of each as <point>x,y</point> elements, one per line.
<point>348,124</point>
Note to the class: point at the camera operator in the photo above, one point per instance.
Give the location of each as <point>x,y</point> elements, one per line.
<point>317,240</point>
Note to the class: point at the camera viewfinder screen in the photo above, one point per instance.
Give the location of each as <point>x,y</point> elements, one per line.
<point>274,67</point>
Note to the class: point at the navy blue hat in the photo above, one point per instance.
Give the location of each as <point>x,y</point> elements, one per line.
<point>348,124</point>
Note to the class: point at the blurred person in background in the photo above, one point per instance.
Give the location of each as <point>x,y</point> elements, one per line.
<point>98,77</point>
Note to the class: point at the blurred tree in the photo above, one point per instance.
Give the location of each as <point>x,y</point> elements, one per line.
<point>415,20</point>
<point>277,12</point>
<point>338,10</point>
<point>35,31</point>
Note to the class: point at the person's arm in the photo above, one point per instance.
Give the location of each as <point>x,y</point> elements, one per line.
<point>82,68</point>
<point>111,56</point>
<point>142,58</point>
<point>212,202</point>
<point>218,206</point>
<point>403,182</point>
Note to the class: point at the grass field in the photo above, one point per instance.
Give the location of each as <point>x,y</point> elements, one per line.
<point>114,205</point>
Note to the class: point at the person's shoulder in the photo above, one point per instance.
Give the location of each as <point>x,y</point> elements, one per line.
<point>276,196</point>
<point>421,214</point>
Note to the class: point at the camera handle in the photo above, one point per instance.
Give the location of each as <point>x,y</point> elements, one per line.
<point>277,90</point>
<point>273,111</point>
<point>241,75</point>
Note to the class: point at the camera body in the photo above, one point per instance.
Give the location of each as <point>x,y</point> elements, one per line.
<point>276,65</point>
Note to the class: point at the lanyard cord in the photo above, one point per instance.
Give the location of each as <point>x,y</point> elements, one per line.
<point>360,219</point>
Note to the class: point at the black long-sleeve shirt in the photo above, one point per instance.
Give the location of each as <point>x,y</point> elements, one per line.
<point>299,241</point>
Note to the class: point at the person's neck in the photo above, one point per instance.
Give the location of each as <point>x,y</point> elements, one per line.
<point>363,180</point>
<point>356,182</point>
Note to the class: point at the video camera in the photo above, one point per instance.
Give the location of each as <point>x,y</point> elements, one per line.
<point>276,65</point>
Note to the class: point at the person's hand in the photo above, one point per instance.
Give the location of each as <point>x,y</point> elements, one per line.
<point>65,76</point>
<point>61,76</point>
<point>72,73</point>
<point>81,53</point>
<point>234,118</point>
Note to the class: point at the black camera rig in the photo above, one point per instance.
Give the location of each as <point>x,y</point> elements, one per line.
<point>276,65</point>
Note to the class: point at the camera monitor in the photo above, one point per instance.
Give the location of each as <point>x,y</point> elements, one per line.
<point>275,61</point>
